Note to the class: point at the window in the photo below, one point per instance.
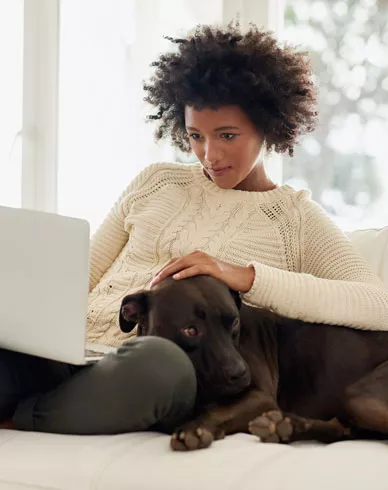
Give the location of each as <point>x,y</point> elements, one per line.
<point>106,47</point>
<point>76,101</point>
<point>11,57</point>
<point>344,162</point>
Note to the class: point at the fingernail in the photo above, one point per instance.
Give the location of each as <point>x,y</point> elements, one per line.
<point>176,276</point>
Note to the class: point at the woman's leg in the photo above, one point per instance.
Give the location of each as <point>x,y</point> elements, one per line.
<point>149,383</point>
<point>22,376</point>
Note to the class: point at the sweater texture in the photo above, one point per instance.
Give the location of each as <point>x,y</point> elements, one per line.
<point>305,266</point>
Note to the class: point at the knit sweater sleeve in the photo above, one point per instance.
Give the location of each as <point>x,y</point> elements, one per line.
<point>335,286</point>
<point>111,236</point>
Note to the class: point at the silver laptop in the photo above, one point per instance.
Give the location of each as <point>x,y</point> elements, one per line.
<point>44,284</point>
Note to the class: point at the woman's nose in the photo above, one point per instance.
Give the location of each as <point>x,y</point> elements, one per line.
<point>212,153</point>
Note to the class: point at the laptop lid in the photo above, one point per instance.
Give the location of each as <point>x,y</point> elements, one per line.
<point>44,283</point>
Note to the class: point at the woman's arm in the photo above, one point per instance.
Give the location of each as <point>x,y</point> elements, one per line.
<point>335,286</point>
<point>111,236</point>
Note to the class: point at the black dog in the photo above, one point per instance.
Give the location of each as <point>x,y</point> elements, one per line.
<point>280,379</point>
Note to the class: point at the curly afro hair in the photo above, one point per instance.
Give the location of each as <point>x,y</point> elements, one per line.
<point>218,66</point>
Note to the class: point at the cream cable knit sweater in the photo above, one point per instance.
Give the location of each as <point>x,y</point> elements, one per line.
<point>305,266</point>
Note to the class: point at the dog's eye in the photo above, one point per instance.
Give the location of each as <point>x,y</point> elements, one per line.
<point>191,331</point>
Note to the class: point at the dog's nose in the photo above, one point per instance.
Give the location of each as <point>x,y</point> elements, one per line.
<point>238,377</point>
<point>234,373</point>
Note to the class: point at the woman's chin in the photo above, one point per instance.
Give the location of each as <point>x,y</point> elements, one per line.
<point>225,183</point>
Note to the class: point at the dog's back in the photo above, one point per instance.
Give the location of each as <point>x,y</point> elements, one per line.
<point>314,362</point>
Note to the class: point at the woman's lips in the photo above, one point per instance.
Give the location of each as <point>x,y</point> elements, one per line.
<point>218,172</point>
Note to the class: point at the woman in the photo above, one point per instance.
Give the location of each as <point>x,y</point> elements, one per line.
<point>229,98</point>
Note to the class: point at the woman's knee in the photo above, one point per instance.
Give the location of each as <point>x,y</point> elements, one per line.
<point>163,366</point>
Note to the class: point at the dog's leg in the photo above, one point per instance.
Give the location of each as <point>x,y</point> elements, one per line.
<point>276,426</point>
<point>366,401</point>
<point>220,420</point>
<point>365,407</point>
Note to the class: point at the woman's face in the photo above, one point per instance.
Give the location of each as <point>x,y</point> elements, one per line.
<point>226,143</point>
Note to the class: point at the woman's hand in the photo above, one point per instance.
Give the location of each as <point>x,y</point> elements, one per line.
<point>237,277</point>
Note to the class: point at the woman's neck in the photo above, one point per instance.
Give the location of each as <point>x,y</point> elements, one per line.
<point>256,181</point>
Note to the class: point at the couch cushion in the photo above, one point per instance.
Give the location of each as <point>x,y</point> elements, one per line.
<point>143,461</point>
<point>373,245</point>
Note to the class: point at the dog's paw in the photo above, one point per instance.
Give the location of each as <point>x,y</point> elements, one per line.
<point>272,427</point>
<point>192,436</point>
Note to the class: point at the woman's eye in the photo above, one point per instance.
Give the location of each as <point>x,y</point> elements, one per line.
<point>191,331</point>
<point>194,136</point>
<point>228,136</point>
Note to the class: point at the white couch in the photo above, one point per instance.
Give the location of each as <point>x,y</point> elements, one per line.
<point>143,461</point>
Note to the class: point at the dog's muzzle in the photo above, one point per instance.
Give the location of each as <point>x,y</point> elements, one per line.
<point>235,380</point>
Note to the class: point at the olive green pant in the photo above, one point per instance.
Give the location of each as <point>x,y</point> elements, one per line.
<point>149,384</point>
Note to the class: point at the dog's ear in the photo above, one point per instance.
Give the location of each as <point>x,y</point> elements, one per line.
<point>133,308</point>
<point>236,297</point>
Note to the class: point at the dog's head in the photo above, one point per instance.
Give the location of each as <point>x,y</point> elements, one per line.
<point>201,315</point>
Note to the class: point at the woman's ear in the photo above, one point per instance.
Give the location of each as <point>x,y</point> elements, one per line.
<point>133,309</point>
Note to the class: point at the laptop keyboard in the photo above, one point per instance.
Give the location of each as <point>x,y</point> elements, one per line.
<point>93,353</point>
